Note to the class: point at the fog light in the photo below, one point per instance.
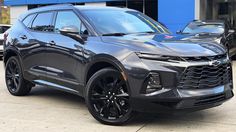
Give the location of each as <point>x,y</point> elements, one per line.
<point>153,83</point>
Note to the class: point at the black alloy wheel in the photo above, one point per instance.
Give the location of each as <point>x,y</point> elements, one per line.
<point>12,75</point>
<point>15,82</point>
<point>107,97</point>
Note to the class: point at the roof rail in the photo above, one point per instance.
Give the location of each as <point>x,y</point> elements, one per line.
<point>55,5</point>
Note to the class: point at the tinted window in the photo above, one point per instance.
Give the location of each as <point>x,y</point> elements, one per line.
<point>67,18</point>
<point>119,21</point>
<point>27,21</point>
<point>3,29</point>
<point>43,22</point>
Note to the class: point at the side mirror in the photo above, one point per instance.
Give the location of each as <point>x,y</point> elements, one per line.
<point>179,31</point>
<point>72,32</point>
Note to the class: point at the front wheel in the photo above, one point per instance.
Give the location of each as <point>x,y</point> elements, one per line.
<point>108,97</point>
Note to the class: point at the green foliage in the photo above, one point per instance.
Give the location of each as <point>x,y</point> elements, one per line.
<point>5,16</point>
<point>4,13</point>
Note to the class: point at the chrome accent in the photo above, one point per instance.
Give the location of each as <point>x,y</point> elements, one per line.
<point>187,64</point>
<point>215,63</point>
<point>42,82</point>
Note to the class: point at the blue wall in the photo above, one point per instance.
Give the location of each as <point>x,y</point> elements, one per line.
<point>176,13</point>
<point>25,2</point>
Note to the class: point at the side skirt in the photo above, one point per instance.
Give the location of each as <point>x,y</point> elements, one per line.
<point>56,86</point>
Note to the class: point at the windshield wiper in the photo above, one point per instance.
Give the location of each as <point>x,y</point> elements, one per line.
<point>122,34</point>
<point>147,32</point>
<point>151,32</point>
<point>114,34</point>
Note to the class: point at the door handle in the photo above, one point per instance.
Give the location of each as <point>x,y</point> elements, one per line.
<point>23,37</point>
<point>52,43</point>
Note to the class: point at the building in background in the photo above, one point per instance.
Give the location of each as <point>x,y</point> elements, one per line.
<point>1,4</point>
<point>175,14</point>
<point>4,14</point>
<point>218,9</point>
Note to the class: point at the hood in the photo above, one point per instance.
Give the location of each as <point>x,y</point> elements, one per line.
<point>165,44</point>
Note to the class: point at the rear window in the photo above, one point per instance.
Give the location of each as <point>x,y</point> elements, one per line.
<point>43,22</point>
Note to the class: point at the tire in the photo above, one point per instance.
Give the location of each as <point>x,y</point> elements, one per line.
<point>107,97</point>
<point>15,82</point>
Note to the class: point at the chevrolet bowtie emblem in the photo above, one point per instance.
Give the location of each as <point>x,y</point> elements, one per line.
<point>215,63</point>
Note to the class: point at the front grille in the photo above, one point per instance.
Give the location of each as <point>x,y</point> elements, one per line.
<point>205,58</point>
<point>200,77</point>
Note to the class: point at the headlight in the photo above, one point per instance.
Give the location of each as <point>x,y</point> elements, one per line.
<point>157,57</point>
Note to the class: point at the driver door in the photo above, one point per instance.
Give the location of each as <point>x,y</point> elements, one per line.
<point>64,54</point>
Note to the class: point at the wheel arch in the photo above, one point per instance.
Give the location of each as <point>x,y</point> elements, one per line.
<point>103,61</point>
<point>9,53</point>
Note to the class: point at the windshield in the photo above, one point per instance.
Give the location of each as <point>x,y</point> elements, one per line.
<point>204,28</point>
<point>3,29</point>
<point>122,22</point>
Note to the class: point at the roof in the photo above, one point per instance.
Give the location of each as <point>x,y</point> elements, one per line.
<point>37,2</point>
<point>82,8</point>
<point>46,8</point>
<point>51,7</point>
<point>68,6</point>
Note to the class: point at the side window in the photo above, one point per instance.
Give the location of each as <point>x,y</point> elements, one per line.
<point>3,29</point>
<point>43,22</point>
<point>67,18</point>
<point>28,20</point>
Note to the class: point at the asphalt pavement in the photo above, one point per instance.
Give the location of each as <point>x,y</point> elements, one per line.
<point>48,110</point>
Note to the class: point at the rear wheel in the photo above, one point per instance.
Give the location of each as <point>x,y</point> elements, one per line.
<point>15,82</point>
<point>107,97</point>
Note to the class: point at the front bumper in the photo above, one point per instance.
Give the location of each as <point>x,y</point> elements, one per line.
<point>181,100</point>
<point>186,86</point>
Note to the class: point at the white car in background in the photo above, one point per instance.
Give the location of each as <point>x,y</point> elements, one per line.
<point>3,29</point>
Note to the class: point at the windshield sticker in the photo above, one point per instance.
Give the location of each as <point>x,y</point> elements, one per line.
<point>168,37</point>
